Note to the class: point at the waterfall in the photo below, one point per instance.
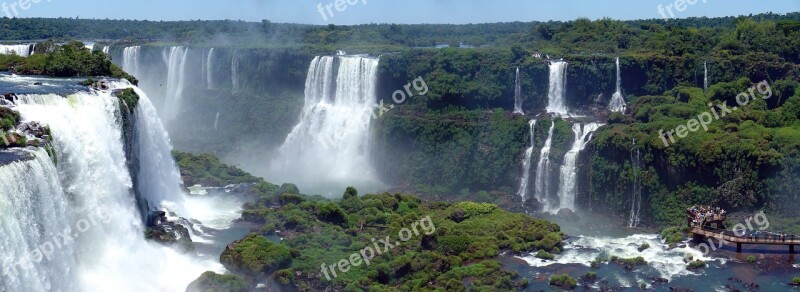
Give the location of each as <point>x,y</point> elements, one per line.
<point>617,103</point>
<point>32,208</point>
<point>210,69</point>
<point>158,176</point>
<point>130,60</point>
<point>526,164</point>
<point>107,251</point>
<point>636,187</point>
<point>569,172</point>
<point>106,49</point>
<point>24,50</point>
<point>235,71</point>
<point>216,122</point>
<point>331,143</point>
<point>705,77</point>
<point>175,59</point>
<point>543,171</point>
<point>558,87</point>
<point>518,95</point>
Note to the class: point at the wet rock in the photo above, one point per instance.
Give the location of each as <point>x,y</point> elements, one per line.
<point>568,215</point>
<point>457,216</point>
<point>658,281</point>
<point>211,281</point>
<point>9,97</point>
<point>163,231</point>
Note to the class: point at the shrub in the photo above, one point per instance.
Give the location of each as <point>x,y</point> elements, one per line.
<point>213,282</point>
<point>545,255</point>
<point>698,264</point>
<point>472,209</point>
<point>563,281</point>
<point>289,188</point>
<point>332,213</point>
<point>349,193</point>
<point>255,255</point>
<point>129,97</point>
<point>590,277</point>
<point>751,259</point>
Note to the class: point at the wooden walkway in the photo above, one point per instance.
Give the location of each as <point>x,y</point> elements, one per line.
<point>732,238</point>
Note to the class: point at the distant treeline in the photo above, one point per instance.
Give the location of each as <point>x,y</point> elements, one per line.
<point>554,36</point>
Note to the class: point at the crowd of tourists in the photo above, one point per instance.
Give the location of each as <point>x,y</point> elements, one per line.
<point>701,214</point>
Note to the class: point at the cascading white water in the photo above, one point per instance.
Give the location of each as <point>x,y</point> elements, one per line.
<point>158,176</point>
<point>618,103</point>
<point>175,59</point>
<point>569,172</point>
<point>543,171</point>
<point>24,50</point>
<point>130,60</point>
<point>210,69</point>
<point>330,146</point>
<point>518,95</point>
<point>106,49</point>
<point>32,209</point>
<point>216,122</point>
<point>109,250</point>
<point>556,95</point>
<point>235,71</point>
<point>705,77</point>
<point>636,188</point>
<point>667,262</point>
<point>526,164</point>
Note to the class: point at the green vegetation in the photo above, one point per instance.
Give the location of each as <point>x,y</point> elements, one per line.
<point>129,97</point>
<point>563,281</point>
<point>673,235</point>
<point>698,264</point>
<point>68,60</point>
<point>597,261</point>
<point>751,259</point>
<point>444,254</point>
<point>207,170</point>
<point>748,154</point>
<point>326,232</point>
<point>590,277</point>
<point>545,255</point>
<point>8,119</point>
<point>795,281</point>
<point>629,263</point>
<point>213,282</point>
<point>254,255</point>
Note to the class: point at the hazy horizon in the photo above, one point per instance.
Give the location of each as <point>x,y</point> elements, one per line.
<point>383,12</point>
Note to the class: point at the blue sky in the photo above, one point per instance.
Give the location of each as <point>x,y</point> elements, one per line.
<point>393,11</point>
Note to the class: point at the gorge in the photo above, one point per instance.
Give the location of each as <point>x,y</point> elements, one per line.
<point>168,178</point>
